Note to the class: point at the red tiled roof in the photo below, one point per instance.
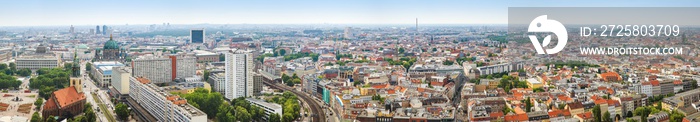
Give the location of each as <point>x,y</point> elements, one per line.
<point>67,96</point>
<point>558,113</point>
<point>654,82</point>
<point>575,105</point>
<point>50,104</point>
<point>516,118</point>
<point>677,82</point>
<point>586,115</point>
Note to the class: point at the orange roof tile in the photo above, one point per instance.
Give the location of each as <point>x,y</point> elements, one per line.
<point>586,115</point>
<point>677,82</point>
<point>143,80</point>
<point>516,118</point>
<point>558,113</point>
<point>518,110</point>
<point>419,89</point>
<point>654,82</point>
<point>68,96</point>
<point>380,86</point>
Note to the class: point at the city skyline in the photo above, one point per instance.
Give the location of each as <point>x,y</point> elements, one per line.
<point>81,13</point>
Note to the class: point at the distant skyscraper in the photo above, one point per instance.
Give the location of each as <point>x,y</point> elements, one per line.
<point>239,75</point>
<point>197,36</point>
<point>104,29</point>
<point>92,31</point>
<point>72,29</point>
<point>97,30</point>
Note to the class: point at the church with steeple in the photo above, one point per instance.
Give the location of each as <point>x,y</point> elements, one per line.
<point>111,51</point>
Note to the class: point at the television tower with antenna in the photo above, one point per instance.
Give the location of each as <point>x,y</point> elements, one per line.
<point>415,34</point>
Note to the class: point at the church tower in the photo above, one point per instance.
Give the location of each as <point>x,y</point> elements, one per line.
<point>75,79</point>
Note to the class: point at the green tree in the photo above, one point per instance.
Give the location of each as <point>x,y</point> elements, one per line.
<point>631,120</point>
<point>528,105</point>
<point>283,52</point>
<point>434,49</point>
<point>242,114</point>
<point>7,81</point>
<point>208,102</point>
<point>89,113</point>
<point>51,119</point>
<point>447,62</point>
<point>606,117</point>
<point>676,116</point>
<point>36,117</point>
<point>537,90</point>
<point>596,113</point>
<point>226,113</point>
<point>24,72</point>
<point>222,57</point>
<point>206,75</point>
<point>38,102</point>
<point>122,111</point>
<point>401,50</point>
<point>88,66</point>
<point>274,118</point>
<point>288,117</point>
<point>3,66</point>
<point>256,112</point>
<point>506,110</point>
<point>13,67</point>
<point>643,112</point>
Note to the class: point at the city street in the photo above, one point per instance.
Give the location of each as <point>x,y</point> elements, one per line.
<point>89,89</point>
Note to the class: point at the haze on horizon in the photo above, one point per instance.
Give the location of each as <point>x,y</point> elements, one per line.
<point>132,12</point>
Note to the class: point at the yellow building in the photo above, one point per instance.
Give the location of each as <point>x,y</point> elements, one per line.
<point>533,83</point>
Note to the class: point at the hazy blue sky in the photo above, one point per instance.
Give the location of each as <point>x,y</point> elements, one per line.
<point>84,12</point>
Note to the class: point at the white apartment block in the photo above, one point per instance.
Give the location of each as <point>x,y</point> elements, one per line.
<point>219,82</point>
<point>120,79</point>
<point>239,75</point>
<point>270,108</point>
<point>36,62</point>
<point>164,69</point>
<point>102,72</point>
<point>164,106</point>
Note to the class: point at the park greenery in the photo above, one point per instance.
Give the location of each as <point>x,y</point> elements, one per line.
<point>290,81</point>
<point>290,105</point>
<point>508,82</point>
<point>406,62</point>
<point>49,80</point>
<point>214,104</point>
<point>7,81</point>
<point>314,56</point>
<point>122,111</point>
